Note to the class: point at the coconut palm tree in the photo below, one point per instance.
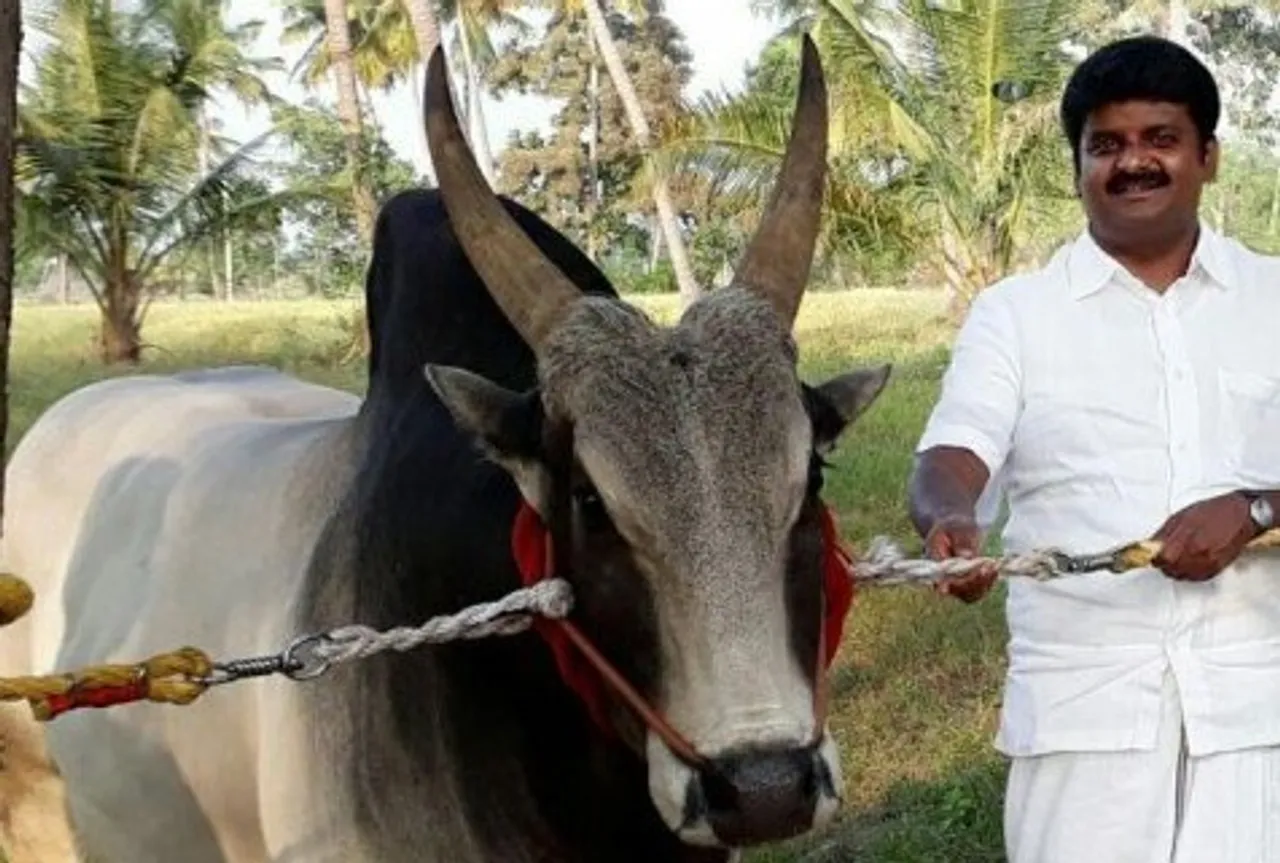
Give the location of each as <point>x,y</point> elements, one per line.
<point>384,47</point>
<point>386,39</point>
<point>426,26</point>
<point>955,105</point>
<point>424,29</point>
<point>472,21</point>
<point>374,43</point>
<point>338,44</point>
<point>106,161</point>
<point>215,56</point>
<point>668,220</point>
<point>728,146</point>
<point>391,38</point>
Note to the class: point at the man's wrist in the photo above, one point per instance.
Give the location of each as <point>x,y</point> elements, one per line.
<point>958,515</point>
<point>944,488</point>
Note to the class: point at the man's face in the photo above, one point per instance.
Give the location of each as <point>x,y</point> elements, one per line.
<point>1142,166</point>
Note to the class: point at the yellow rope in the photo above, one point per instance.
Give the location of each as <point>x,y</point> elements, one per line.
<point>1140,554</point>
<point>15,598</point>
<point>176,677</point>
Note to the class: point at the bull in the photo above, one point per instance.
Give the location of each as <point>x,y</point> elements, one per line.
<point>674,474</point>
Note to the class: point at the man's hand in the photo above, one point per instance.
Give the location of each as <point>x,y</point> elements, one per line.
<point>959,536</point>
<point>1200,541</point>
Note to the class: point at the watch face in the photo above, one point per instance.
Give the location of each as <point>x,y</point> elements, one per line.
<point>1260,511</point>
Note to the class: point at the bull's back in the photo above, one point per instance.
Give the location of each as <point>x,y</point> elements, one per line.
<point>131,511</point>
<point>97,467</point>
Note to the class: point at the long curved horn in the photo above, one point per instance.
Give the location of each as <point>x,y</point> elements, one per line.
<point>531,291</point>
<point>776,263</point>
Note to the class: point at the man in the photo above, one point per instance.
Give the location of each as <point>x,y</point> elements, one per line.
<point>1129,389</point>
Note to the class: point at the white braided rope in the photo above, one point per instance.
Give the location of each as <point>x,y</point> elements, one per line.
<point>885,563</point>
<point>513,613</point>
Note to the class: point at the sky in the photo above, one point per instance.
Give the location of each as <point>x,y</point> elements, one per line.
<point>722,35</point>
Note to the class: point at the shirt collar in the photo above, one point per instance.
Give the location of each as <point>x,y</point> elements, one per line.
<point>1090,268</point>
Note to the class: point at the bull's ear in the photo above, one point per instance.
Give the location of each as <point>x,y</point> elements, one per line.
<point>506,424</point>
<point>837,402</point>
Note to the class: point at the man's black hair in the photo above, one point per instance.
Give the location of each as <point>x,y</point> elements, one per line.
<point>1146,68</point>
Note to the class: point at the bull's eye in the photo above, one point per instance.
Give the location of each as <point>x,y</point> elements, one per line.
<point>590,508</point>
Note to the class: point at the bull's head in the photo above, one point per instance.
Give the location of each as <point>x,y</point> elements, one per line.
<point>682,465</point>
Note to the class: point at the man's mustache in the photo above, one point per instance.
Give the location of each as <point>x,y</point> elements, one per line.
<point>1125,180</point>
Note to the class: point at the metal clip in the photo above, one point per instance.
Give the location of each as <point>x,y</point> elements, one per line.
<point>1077,564</point>
<point>241,669</point>
<point>298,661</point>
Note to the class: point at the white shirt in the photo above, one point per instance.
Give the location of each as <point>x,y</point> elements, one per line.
<point>1101,409</point>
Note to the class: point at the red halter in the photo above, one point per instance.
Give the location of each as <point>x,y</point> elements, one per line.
<point>585,670</point>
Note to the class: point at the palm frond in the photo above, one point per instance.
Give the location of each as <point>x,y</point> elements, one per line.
<point>920,142</point>
<point>201,206</point>
<point>44,226</point>
<point>738,141</point>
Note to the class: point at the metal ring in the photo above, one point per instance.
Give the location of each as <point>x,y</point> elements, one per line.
<point>298,669</point>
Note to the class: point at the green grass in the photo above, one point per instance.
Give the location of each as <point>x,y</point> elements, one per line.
<point>917,684</point>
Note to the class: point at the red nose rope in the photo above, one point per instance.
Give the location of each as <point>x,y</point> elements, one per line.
<point>589,674</point>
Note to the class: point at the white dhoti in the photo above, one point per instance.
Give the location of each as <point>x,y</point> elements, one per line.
<point>1156,806</point>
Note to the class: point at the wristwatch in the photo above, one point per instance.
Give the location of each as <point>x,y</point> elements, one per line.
<point>1260,511</point>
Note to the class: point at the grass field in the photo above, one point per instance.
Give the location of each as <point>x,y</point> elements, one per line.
<point>916,686</point>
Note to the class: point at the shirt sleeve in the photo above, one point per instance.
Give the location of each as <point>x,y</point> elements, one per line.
<point>980,397</point>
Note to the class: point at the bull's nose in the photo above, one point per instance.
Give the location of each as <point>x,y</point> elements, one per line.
<point>763,795</point>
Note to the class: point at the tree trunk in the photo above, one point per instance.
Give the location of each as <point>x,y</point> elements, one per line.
<point>426,31</point>
<point>1177,24</point>
<point>955,271</point>
<point>10,42</point>
<point>593,150</point>
<point>422,128</point>
<point>655,245</point>
<point>120,337</point>
<point>203,142</point>
<point>479,135</point>
<point>1274,215</point>
<point>338,40</point>
<point>368,114</point>
<point>689,289</point>
<point>64,280</point>
<point>426,27</point>
<point>1273,218</point>
<point>229,265</point>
